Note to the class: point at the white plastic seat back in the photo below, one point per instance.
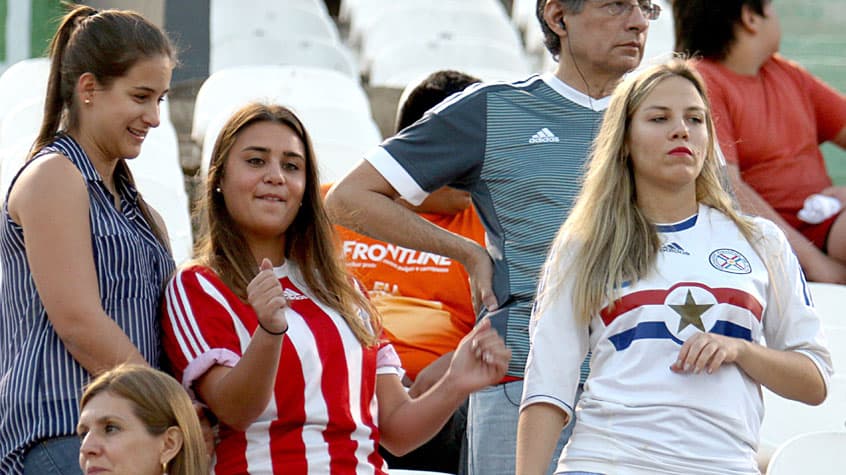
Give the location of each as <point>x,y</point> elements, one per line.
<point>231,19</point>
<point>229,89</point>
<point>371,12</point>
<point>303,51</point>
<point>340,138</point>
<point>784,418</point>
<point>395,66</point>
<point>830,302</point>
<point>661,39</point>
<point>818,453</point>
<point>424,24</point>
<point>23,81</point>
<point>523,13</point>
<point>12,157</point>
<point>159,178</point>
<point>24,119</point>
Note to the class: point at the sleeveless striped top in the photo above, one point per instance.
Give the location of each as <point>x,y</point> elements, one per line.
<point>40,382</point>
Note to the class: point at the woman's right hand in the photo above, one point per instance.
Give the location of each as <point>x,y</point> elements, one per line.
<point>481,359</point>
<point>267,297</point>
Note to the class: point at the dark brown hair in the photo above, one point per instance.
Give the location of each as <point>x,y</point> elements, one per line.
<point>706,27</point>
<point>106,44</point>
<point>309,240</point>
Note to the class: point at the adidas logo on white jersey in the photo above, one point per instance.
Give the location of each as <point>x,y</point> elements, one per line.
<point>674,247</point>
<point>294,295</point>
<point>544,135</point>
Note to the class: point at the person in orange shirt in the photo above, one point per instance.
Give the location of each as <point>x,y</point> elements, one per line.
<point>425,299</point>
<point>771,116</point>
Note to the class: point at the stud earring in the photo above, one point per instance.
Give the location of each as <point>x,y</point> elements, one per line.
<point>87,101</point>
<point>217,190</point>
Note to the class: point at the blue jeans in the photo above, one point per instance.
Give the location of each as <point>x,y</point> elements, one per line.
<point>59,456</point>
<point>492,431</point>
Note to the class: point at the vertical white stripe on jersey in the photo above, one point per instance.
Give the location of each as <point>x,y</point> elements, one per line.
<point>364,446</point>
<point>317,450</point>
<point>352,348</point>
<point>258,456</point>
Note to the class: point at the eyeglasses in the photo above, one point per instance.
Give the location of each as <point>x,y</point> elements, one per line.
<point>649,10</point>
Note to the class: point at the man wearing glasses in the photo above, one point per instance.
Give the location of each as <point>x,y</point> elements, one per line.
<point>519,149</point>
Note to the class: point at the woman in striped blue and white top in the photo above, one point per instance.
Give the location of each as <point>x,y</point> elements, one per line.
<point>84,258</point>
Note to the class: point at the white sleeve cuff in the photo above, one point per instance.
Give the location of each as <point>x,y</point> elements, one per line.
<point>206,361</point>
<point>396,175</point>
<point>824,369</point>
<point>541,398</point>
<point>388,361</point>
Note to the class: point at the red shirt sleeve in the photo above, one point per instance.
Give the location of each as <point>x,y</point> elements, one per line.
<point>201,324</point>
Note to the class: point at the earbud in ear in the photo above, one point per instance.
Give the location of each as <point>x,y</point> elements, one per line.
<point>563,26</point>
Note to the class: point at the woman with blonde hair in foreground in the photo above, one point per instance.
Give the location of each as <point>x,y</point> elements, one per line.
<point>135,419</point>
<point>673,292</point>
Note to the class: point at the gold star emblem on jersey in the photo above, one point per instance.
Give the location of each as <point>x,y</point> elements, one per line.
<point>691,313</point>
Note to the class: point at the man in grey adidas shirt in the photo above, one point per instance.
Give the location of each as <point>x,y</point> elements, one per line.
<point>519,149</point>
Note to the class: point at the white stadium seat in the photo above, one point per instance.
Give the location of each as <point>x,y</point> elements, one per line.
<point>229,89</point>
<point>395,66</point>
<point>12,156</point>
<point>303,51</point>
<point>818,453</point>
<point>232,19</point>
<point>523,13</point>
<point>22,119</point>
<point>784,418</point>
<point>23,81</point>
<point>340,138</point>
<point>159,178</point>
<point>830,302</point>
<point>425,24</point>
<point>368,13</point>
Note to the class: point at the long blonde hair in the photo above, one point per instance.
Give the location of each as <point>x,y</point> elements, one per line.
<point>607,239</point>
<point>309,240</point>
<point>160,402</point>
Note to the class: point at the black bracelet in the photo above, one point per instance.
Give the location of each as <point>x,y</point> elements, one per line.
<point>273,333</point>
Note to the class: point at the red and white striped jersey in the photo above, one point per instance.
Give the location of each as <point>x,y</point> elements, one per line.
<point>322,416</point>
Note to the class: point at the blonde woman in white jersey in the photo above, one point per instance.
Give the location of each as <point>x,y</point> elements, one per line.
<point>678,358</point>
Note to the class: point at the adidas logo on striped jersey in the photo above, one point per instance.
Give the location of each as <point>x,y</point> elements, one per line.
<point>674,248</point>
<point>544,135</point>
<point>294,295</point>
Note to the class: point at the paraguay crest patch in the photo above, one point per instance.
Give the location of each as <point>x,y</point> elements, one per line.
<point>731,261</point>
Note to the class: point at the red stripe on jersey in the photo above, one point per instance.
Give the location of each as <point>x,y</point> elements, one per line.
<point>334,385</point>
<point>725,295</point>
<point>286,432</point>
<point>231,452</point>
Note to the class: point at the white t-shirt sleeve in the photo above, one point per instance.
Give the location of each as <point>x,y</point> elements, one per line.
<point>790,320</point>
<point>559,344</point>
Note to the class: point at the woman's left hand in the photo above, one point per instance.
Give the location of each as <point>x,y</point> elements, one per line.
<point>707,351</point>
<point>481,358</point>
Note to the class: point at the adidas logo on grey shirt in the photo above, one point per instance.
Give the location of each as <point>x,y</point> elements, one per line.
<point>543,135</point>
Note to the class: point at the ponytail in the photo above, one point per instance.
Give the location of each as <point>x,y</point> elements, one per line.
<point>105,44</point>
<point>57,98</point>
